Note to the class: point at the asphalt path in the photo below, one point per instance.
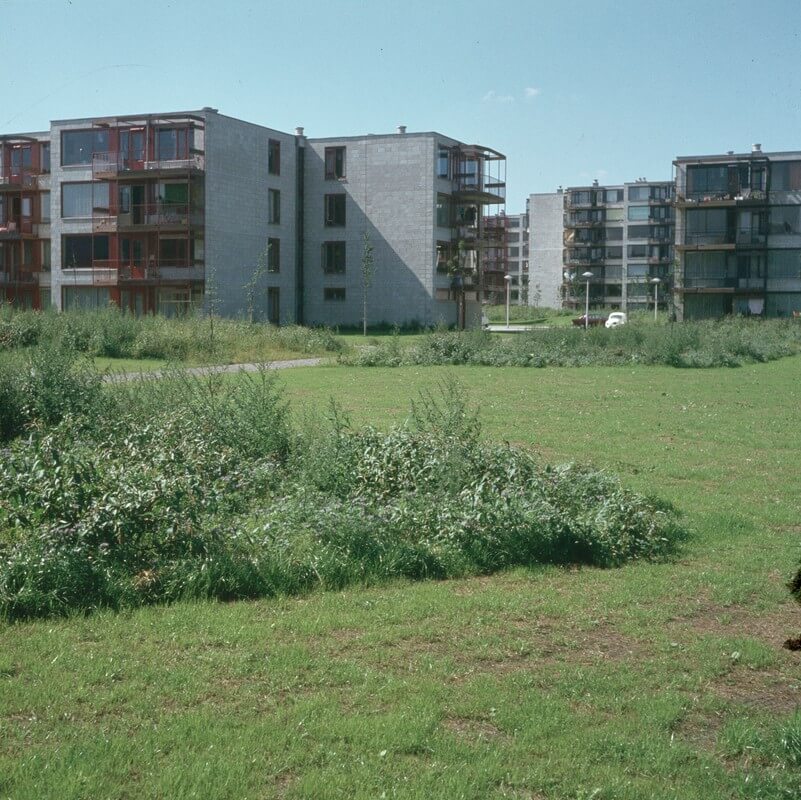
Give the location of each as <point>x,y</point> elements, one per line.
<point>122,377</point>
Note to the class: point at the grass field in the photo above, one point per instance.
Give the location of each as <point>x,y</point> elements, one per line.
<point>649,681</point>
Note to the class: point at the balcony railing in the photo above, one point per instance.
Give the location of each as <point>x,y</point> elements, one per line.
<point>110,164</point>
<point>24,177</point>
<point>159,214</point>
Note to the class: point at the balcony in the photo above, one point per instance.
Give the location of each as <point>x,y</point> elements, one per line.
<point>15,178</point>
<point>143,216</point>
<point>741,197</point>
<point>119,165</point>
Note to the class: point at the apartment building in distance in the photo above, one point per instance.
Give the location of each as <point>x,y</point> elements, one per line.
<point>517,243</point>
<point>623,236</point>
<point>738,234</point>
<point>545,212</point>
<point>165,212</point>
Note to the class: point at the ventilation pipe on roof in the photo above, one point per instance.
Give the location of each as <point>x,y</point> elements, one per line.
<point>756,148</point>
<point>299,131</point>
<point>401,129</point>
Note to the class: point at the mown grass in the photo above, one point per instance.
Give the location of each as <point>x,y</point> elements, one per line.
<point>649,681</point>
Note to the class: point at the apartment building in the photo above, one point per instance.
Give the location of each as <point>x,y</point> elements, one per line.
<point>545,212</point>
<point>738,234</point>
<point>517,244</point>
<point>623,236</point>
<point>422,199</point>
<point>165,212</point>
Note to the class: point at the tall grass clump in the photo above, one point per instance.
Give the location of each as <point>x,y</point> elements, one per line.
<point>111,333</point>
<point>725,343</point>
<point>198,487</point>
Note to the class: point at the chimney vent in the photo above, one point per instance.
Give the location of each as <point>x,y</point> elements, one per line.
<point>401,129</point>
<point>595,182</point>
<point>756,148</point>
<point>730,152</point>
<point>210,110</point>
<point>299,131</point>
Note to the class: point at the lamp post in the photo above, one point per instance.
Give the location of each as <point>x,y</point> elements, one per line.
<point>508,279</point>
<point>587,275</point>
<point>656,282</point>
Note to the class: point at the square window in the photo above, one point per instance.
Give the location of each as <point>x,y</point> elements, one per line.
<point>334,210</point>
<point>273,255</point>
<point>335,293</point>
<point>273,207</point>
<point>274,157</point>
<point>334,163</point>
<point>334,257</point>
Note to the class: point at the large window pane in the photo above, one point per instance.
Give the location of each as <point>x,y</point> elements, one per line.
<point>82,199</point>
<point>77,147</point>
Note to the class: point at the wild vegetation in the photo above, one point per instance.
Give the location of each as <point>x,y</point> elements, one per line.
<point>182,487</point>
<point>725,343</point>
<point>109,333</point>
<point>658,679</point>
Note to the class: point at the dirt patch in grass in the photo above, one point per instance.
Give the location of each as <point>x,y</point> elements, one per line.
<point>473,730</point>
<point>700,729</point>
<point>768,691</point>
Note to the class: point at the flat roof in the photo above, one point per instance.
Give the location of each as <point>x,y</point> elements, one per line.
<point>778,154</point>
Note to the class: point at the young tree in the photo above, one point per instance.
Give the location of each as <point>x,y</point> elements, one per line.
<point>252,286</point>
<point>459,270</point>
<point>368,272</point>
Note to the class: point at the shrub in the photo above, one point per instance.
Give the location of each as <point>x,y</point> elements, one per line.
<point>199,488</point>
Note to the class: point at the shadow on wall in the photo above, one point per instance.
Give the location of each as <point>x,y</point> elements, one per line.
<point>396,210</point>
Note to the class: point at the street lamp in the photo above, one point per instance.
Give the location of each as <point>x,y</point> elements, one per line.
<point>656,282</point>
<point>587,275</point>
<point>508,279</point>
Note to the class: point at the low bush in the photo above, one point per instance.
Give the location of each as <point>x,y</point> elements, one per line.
<point>200,488</point>
<point>726,343</point>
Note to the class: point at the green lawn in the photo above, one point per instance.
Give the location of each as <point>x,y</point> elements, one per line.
<point>650,681</point>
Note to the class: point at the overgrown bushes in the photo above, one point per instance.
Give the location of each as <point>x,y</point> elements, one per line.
<point>202,488</point>
<point>108,332</point>
<point>725,343</point>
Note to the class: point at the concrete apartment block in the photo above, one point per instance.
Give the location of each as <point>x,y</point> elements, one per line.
<point>239,226</point>
<point>170,212</point>
<point>546,243</point>
<point>738,234</point>
<point>517,257</point>
<point>389,193</point>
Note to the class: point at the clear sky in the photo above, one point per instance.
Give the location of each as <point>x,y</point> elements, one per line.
<point>569,91</point>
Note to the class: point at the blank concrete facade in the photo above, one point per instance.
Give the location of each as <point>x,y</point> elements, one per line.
<point>165,212</point>
<point>546,243</point>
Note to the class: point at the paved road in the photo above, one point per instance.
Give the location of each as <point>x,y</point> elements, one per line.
<point>121,377</point>
<point>516,328</point>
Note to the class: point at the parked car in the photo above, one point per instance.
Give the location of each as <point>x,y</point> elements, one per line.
<point>615,319</point>
<point>592,321</point>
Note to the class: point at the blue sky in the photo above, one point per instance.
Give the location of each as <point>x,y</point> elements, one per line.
<point>569,91</point>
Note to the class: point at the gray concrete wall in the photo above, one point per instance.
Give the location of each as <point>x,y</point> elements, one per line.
<point>390,190</point>
<point>546,213</point>
<point>237,227</point>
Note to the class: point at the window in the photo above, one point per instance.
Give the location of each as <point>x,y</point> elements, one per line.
<point>785,220</point>
<point>613,196</point>
<point>785,175</point>
<point>334,293</point>
<point>639,192</point>
<point>614,214</point>
<point>274,157</point>
<point>172,144</point>
<point>614,252</point>
<point>334,209</point>
<point>81,251</point>
<point>45,155</point>
<point>638,251</point>
<point>44,207</point>
<point>84,199</point>
<point>443,162</point>
<point>46,255</point>
<point>334,162</point>
<point>639,231</point>
<point>77,147</point>
<point>443,211</point>
<point>273,206</point>
<point>445,252</point>
<point>333,257</point>
<point>173,252</point>
<point>711,180</point>
<point>614,234</point>
<point>273,255</point>
<point>27,253</point>
<point>639,213</point>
